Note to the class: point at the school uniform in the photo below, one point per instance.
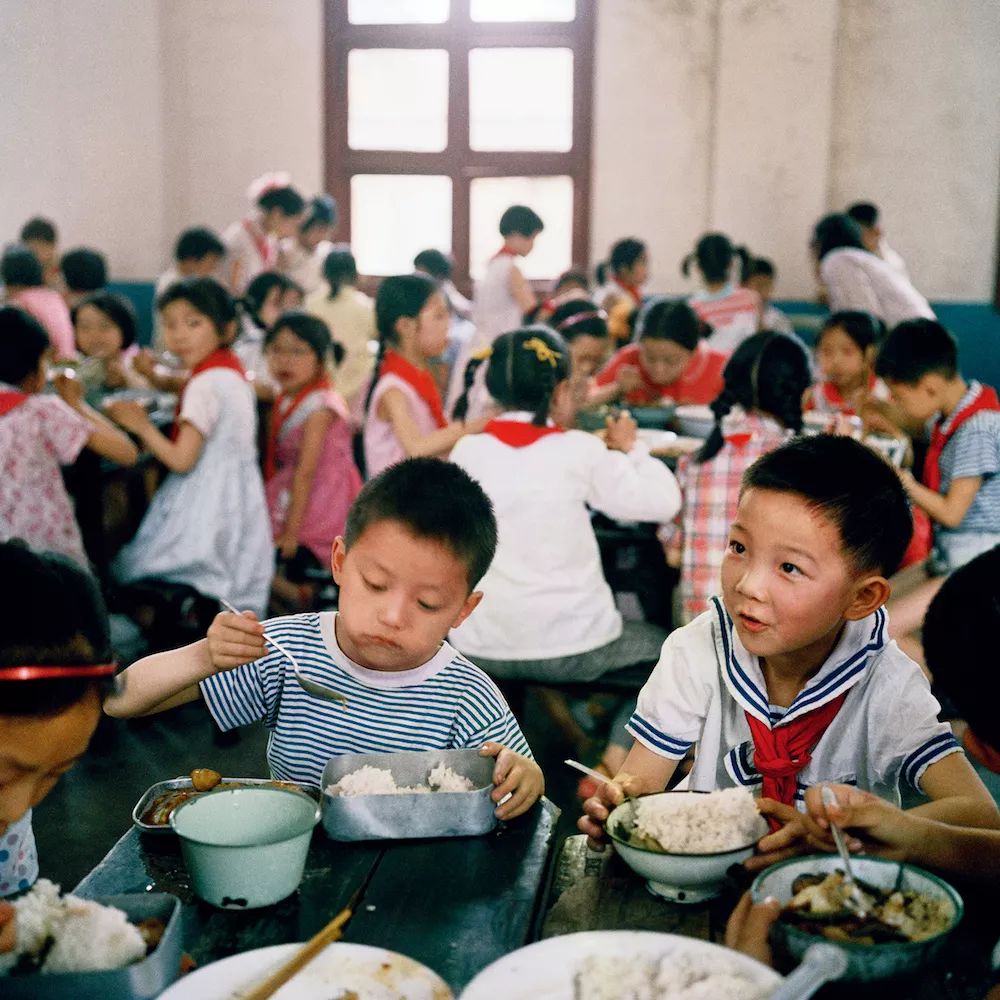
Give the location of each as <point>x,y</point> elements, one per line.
<point>444,704</point>
<point>732,312</point>
<point>826,398</point>
<point>884,736</point>
<point>545,593</point>
<point>249,247</point>
<point>494,308</point>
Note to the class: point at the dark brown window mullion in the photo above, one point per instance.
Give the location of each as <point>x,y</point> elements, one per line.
<point>458,143</point>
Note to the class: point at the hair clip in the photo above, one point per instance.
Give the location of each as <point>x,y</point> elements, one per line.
<point>483,354</point>
<point>268,182</point>
<point>39,673</point>
<point>543,352</point>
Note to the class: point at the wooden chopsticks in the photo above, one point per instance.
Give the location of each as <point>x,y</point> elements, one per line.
<point>302,957</point>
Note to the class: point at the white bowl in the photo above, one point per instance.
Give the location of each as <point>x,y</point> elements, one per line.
<point>681,878</point>
<point>694,420</point>
<point>865,962</point>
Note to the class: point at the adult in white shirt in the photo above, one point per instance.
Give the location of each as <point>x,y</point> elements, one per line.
<point>855,278</point>
<point>866,215</point>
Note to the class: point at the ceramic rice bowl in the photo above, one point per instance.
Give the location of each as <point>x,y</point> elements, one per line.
<point>865,962</point>
<point>245,847</point>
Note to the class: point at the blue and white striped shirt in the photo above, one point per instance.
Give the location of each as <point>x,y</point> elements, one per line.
<point>447,703</point>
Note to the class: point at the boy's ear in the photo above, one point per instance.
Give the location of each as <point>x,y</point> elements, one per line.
<point>870,594</point>
<point>471,603</point>
<point>337,554</point>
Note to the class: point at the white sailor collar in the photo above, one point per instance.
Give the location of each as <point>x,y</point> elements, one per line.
<point>861,642</point>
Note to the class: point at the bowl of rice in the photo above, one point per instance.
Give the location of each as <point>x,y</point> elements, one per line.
<point>683,843</point>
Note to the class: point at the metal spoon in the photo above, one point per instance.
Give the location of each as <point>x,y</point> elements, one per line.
<point>855,900</point>
<point>314,688</point>
<point>820,964</point>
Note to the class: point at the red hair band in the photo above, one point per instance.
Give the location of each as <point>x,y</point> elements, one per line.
<point>580,317</point>
<point>36,673</point>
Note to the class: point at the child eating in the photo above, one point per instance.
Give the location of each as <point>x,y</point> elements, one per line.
<point>418,539</point>
<point>790,680</point>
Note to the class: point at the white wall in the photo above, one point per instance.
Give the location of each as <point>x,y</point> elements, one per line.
<point>134,118</point>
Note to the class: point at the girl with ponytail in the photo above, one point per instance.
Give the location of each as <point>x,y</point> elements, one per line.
<point>759,408</point>
<point>731,311</point>
<point>403,413</point>
<point>550,615</point>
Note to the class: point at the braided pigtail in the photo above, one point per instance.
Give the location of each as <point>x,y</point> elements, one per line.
<point>783,376</point>
<point>376,372</point>
<point>548,387</point>
<point>720,407</point>
<point>461,407</point>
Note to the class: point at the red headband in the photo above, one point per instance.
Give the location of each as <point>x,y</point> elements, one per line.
<point>580,317</point>
<point>35,673</point>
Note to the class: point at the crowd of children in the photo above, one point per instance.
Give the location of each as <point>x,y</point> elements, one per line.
<point>422,452</point>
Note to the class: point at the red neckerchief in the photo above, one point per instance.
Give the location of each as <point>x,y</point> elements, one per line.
<point>835,397</point>
<point>10,401</point>
<point>984,399</point>
<point>518,434</point>
<point>264,246</point>
<point>221,358</point>
<point>782,752</point>
<point>505,251</point>
<point>280,416</point>
<point>982,752</point>
<point>419,379</point>
<point>633,290</point>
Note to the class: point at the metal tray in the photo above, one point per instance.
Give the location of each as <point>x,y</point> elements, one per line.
<point>142,981</point>
<point>155,791</point>
<point>401,817</point>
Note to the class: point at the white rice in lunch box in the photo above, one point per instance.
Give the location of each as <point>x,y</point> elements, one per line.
<point>370,780</point>
<point>673,977</point>
<point>692,823</point>
<point>85,936</point>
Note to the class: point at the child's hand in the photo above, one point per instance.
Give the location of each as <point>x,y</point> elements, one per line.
<point>287,545</point>
<point>114,375</point>
<point>145,363</point>
<point>235,639</point>
<point>887,831</point>
<point>8,932</point>
<point>621,432</point>
<point>629,378</point>
<point>598,807</point>
<point>515,775</point>
<point>129,414</point>
<point>791,839</point>
<point>70,389</point>
<point>749,925</point>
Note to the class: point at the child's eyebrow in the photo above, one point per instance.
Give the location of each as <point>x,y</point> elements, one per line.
<point>802,553</point>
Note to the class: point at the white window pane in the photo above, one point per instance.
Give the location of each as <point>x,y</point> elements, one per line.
<point>394,217</point>
<point>397,11</point>
<point>523,10</point>
<point>550,197</point>
<point>397,99</point>
<point>521,99</point>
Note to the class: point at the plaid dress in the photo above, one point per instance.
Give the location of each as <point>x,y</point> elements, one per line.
<point>711,493</point>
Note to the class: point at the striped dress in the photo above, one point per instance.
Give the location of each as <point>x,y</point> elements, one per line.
<point>447,703</point>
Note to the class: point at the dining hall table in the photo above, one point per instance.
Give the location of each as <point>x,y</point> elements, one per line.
<point>454,904</point>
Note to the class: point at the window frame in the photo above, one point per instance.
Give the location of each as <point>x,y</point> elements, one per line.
<point>458,35</point>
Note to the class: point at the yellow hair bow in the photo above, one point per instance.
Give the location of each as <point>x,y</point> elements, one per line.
<point>483,354</point>
<point>543,352</point>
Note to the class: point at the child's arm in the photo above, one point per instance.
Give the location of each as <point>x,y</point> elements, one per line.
<point>948,509</point>
<point>313,438</point>
<point>179,455</point>
<point>642,772</point>
<point>514,775</point>
<point>521,291</point>
<point>166,680</point>
<point>105,438</point>
<point>958,795</point>
<point>394,408</point>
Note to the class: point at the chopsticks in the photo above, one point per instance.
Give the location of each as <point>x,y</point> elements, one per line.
<point>302,957</point>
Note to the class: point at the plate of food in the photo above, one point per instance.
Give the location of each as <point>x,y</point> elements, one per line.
<point>609,965</point>
<point>151,814</point>
<point>908,913</point>
<point>340,972</point>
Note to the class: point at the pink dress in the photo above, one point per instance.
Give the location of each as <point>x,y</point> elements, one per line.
<point>382,447</point>
<point>335,485</point>
<point>49,308</point>
<point>36,438</point>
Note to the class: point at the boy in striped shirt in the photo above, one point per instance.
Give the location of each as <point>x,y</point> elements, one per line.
<point>418,539</point>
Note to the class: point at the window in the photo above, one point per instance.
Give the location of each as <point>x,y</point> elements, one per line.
<point>442,113</point>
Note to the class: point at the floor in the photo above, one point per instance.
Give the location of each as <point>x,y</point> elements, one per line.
<point>91,807</point>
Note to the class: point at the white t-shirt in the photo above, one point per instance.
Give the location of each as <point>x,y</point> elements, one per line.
<point>886,733</point>
<point>494,308</point>
<point>545,594</point>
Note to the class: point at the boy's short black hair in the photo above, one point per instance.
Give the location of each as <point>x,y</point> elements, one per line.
<point>864,213</point>
<point>54,616</point>
<point>84,270</point>
<point>197,244</point>
<point>433,262</point>
<point>435,500</point>
<point>38,229</point>
<point>959,631</point>
<point>520,220</point>
<point>849,484</point>
<point>23,341</point>
<point>915,348</point>
<point>20,268</point>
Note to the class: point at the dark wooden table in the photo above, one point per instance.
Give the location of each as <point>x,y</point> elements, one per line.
<point>598,891</point>
<point>456,905</point>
